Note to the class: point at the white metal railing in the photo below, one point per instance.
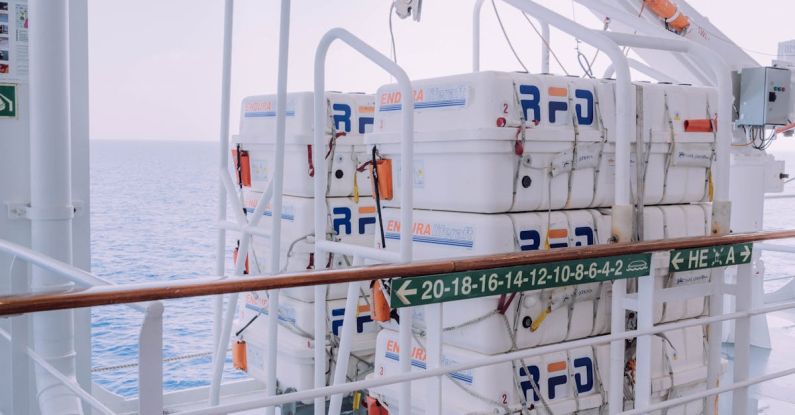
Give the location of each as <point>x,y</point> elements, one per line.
<point>359,253</point>
<point>150,339</point>
<point>642,302</point>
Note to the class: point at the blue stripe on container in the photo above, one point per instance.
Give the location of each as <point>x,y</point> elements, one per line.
<point>430,104</point>
<point>421,365</point>
<point>286,216</point>
<point>265,114</point>
<point>432,240</point>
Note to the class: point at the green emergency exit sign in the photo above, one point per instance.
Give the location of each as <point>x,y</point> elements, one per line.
<point>8,101</point>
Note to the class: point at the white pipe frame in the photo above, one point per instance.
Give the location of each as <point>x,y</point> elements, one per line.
<point>545,35</point>
<point>223,162</point>
<point>320,179</point>
<point>625,133</point>
<point>273,194</point>
<point>517,355</point>
<point>51,207</point>
<point>150,339</point>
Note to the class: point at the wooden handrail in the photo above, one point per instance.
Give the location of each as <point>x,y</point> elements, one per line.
<point>133,293</point>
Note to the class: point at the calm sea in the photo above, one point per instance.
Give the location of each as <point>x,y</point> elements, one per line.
<point>152,212</point>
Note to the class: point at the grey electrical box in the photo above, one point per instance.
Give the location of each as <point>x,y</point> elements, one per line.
<point>764,96</point>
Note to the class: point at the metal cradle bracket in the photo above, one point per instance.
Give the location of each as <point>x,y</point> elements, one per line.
<point>21,210</point>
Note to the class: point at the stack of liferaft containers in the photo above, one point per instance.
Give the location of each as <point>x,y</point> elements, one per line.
<point>351,219</point>
<point>508,162</point>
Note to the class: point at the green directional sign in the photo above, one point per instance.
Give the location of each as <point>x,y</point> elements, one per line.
<point>409,292</point>
<point>8,101</point>
<point>710,257</point>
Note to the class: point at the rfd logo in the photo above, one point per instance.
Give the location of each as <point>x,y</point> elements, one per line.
<point>557,378</point>
<point>558,102</point>
<point>342,119</point>
<point>343,217</point>
<point>338,315</point>
<point>530,239</point>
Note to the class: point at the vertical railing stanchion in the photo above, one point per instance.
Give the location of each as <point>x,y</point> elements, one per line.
<point>742,338</point>
<point>347,331</point>
<point>150,361</point>
<point>645,313</point>
<point>20,362</point>
<point>615,397</point>
<point>715,338</point>
<point>407,153</point>
<point>223,162</point>
<point>433,390</point>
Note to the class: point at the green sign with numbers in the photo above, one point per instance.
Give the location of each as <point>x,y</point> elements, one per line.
<point>8,101</point>
<point>409,292</point>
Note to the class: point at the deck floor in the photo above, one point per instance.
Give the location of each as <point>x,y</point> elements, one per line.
<point>776,397</point>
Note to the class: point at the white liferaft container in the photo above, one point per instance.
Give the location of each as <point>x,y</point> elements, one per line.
<point>350,221</point>
<point>349,117</point>
<point>471,156</point>
<point>544,316</point>
<point>567,381</point>
<point>679,368</point>
<point>296,344</point>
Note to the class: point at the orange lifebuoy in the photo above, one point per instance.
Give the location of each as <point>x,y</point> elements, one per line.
<point>669,12</point>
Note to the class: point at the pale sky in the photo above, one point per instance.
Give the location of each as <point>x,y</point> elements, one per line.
<point>155,65</point>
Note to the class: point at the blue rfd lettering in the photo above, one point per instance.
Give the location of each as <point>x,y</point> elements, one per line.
<point>527,385</point>
<point>529,240</point>
<point>342,220</point>
<point>531,100</point>
<point>531,104</point>
<point>583,379</point>
<point>364,122</point>
<point>583,232</point>
<point>586,364</point>
<point>584,115</point>
<point>555,107</point>
<point>363,222</point>
<point>344,118</point>
<point>336,323</point>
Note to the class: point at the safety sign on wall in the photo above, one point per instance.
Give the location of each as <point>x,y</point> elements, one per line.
<point>8,101</point>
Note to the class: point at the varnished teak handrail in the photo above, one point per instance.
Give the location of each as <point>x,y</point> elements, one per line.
<point>133,293</point>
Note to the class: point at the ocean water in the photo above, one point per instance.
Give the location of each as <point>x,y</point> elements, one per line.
<point>152,215</point>
<point>153,210</point>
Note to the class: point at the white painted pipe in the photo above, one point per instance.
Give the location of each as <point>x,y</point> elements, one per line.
<point>51,209</point>
<point>501,358</point>
<point>245,241</point>
<point>625,131</point>
<point>150,361</point>
<point>278,184</point>
<point>347,331</point>
<point>407,158</point>
<point>644,69</point>
<point>476,40</point>
<point>223,163</point>
<point>720,71</point>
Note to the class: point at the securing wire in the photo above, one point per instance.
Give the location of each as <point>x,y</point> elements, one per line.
<point>546,42</point>
<point>507,39</point>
